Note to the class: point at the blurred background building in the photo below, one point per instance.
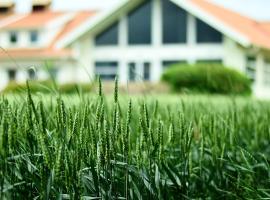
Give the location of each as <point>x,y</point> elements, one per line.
<point>136,40</point>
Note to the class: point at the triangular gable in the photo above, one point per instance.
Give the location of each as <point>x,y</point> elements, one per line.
<point>192,7</point>
<point>90,24</point>
<point>242,29</point>
<point>188,5</point>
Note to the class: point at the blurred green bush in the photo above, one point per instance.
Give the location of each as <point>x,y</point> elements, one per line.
<point>48,87</point>
<point>207,78</point>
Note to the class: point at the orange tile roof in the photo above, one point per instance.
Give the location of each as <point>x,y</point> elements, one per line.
<point>79,18</point>
<point>24,53</point>
<point>38,20</point>
<point>256,32</point>
<point>266,26</point>
<point>34,20</point>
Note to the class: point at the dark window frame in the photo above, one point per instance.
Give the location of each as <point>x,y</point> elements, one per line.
<point>101,39</point>
<point>13,37</point>
<point>173,16</point>
<point>32,75</point>
<point>144,30</point>
<point>12,74</point>
<point>251,67</point>
<point>146,71</point>
<point>34,36</point>
<point>212,37</point>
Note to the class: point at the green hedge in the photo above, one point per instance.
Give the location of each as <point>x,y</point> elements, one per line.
<point>47,87</point>
<point>207,78</point>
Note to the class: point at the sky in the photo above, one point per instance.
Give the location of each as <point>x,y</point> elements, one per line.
<point>257,9</point>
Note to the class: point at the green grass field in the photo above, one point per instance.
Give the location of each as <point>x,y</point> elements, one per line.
<point>140,147</point>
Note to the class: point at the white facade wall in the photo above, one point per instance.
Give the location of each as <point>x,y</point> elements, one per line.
<point>234,55</point>
<point>262,89</point>
<point>155,53</point>
<point>3,78</point>
<point>4,39</point>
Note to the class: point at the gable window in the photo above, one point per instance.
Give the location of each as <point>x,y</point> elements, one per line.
<point>106,70</point>
<point>108,36</point>
<point>139,24</point>
<point>13,37</point>
<point>207,34</point>
<point>33,36</point>
<point>12,74</point>
<point>174,25</point>
<point>251,67</point>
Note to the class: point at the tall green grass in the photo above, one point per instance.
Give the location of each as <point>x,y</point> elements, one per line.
<point>99,148</point>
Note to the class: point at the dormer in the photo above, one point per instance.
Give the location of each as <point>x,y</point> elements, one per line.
<point>41,5</point>
<point>6,7</point>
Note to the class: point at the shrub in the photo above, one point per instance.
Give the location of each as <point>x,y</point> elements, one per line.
<point>47,87</point>
<point>35,86</point>
<point>70,88</point>
<point>207,78</point>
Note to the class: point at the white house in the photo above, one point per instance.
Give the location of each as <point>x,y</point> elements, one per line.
<point>136,39</point>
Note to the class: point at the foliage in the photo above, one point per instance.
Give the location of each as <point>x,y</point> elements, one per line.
<point>102,149</point>
<point>47,87</point>
<point>207,77</point>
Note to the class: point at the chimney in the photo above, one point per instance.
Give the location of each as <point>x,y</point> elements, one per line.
<point>41,5</point>
<point>7,6</point>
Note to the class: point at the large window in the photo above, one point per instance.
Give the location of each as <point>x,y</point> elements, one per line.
<point>106,70</point>
<point>251,67</point>
<point>207,34</point>
<point>174,23</point>
<point>109,36</point>
<point>139,24</point>
<point>12,74</point>
<point>33,36</point>
<point>13,37</point>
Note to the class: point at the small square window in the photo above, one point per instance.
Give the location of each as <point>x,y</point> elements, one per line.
<point>13,37</point>
<point>32,74</point>
<point>251,67</point>
<point>12,74</point>
<point>33,36</point>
